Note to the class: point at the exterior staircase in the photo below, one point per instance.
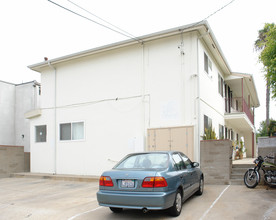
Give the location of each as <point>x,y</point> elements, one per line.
<point>238,171</point>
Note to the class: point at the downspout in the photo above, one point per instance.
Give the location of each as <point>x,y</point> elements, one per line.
<point>143,98</point>
<point>242,96</point>
<point>55,118</point>
<point>198,99</point>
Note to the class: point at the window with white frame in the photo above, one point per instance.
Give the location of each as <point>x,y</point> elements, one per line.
<point>71,131</point>
<point>207,64</point>
<point>207,123</point>
<point>220,85</point>
<point>221,132</point>
<point>40,133</point>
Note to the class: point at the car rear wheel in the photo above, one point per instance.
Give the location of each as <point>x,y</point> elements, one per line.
<point>116,210</point>
<point>175,210</point>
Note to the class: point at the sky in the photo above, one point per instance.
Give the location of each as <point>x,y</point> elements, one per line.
<point>34,29</point>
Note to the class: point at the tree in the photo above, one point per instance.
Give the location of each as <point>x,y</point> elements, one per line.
<point>267,131</point>
<point>266,42</point>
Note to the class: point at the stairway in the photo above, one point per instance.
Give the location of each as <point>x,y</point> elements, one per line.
<point>238,171</point>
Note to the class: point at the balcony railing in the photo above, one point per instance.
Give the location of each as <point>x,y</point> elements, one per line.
<point>235,105</point>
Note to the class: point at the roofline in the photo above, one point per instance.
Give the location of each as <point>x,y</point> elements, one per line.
<point>14,84</point>
<point>140,40</point>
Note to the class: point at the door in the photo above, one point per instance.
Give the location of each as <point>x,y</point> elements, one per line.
<point>182,139</point>
<point>172,138</point>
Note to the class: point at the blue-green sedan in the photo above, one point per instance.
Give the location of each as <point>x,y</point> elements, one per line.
<point>151,181</point>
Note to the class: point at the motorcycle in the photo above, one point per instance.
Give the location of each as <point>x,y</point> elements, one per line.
<point>252,175</point>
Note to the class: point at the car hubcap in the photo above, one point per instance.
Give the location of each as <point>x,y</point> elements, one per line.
<point>178,202</point>
<point>201,185</point>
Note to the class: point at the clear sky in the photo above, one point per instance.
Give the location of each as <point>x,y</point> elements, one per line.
<point>34,29</point>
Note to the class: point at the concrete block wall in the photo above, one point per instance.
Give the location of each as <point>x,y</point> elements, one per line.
<point>267,146</point>
<point>216,161</point>
<point>11,160</point>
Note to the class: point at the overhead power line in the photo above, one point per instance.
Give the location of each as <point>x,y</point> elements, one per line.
<point>121,30</point>
<point>105,26</point>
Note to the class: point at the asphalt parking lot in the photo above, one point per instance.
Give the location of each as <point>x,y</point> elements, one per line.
<point>27,198</point>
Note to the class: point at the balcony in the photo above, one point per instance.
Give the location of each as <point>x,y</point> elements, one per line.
<point>238,105</point>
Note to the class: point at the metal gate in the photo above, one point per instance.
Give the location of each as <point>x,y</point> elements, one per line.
<point>172,138</point>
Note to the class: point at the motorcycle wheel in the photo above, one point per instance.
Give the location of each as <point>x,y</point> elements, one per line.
<point>251,178</point>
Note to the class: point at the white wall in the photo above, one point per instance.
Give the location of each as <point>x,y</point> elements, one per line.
<point>87,90</point>
<point>105,91</point>
<point>26,99</point>
<point>7,112</point>
<point>212,103</point>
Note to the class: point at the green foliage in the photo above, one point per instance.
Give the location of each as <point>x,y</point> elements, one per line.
<point>267,43</point>
<point>267,131</point>
<point>209,134</point>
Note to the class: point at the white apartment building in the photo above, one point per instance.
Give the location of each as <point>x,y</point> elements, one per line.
<point>156,93</point>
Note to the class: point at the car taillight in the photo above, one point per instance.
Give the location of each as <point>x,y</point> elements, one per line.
<point>154,182</point>
<point>106,181</point>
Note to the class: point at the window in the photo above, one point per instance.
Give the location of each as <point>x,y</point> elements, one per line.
<point>207,64</point>
<point>221,132</point>
<point>71,131</point>
<point>179,164</point>
<point>187,161</point>
<point>207,123</point>
<point>220,85</point>
<point>40,133</point>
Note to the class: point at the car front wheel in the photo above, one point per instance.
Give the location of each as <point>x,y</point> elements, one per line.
<point>175,210</point>
<point>201,186</point>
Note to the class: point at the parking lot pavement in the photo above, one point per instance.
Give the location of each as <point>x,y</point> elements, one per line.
<point>27,198</point>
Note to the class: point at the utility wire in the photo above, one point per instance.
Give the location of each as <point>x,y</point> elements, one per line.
<point>218,10</point>
<point>212,14</point>
<point>121,30</point>
<point>112,29</point>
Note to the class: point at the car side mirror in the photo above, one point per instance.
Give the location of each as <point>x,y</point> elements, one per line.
<point>195,164</point>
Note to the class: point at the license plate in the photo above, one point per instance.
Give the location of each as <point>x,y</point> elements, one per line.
<point>127,184</point>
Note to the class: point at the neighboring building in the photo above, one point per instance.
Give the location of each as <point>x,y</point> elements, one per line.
<point>157,93</point>
<point>15,101</point>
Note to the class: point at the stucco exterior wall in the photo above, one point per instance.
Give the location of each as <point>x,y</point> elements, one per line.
<point>15,101</point>
<point>120,93</point>
<point>26,99</point>
<point>7,112</point>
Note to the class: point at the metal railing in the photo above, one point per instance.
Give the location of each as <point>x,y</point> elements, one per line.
<point>238,104</point>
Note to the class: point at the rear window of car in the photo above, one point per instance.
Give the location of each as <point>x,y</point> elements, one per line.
<point>144,161</point>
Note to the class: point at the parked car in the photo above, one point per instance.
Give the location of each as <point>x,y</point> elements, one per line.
<point>151,181</point>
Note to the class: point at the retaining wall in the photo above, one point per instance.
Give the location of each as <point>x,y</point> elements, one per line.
<point>216,161</point>
<point>11,160</point>
<point>267,146</point>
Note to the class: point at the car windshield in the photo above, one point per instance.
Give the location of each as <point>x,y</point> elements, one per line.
<point>144,161</point>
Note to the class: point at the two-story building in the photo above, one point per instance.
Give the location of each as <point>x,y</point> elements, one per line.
<point>15,101</point>
<point>155,92</point>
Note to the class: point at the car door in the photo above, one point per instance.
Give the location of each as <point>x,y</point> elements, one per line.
<point>183,174</point>
<point>192,171</point>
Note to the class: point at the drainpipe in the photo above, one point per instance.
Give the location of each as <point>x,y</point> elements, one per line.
<point>198,99</point>
<point>143,98</point>
<point>55,118</point>
<point>242,96</point>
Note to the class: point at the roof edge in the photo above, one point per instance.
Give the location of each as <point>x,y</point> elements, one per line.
<point>140,40</point>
